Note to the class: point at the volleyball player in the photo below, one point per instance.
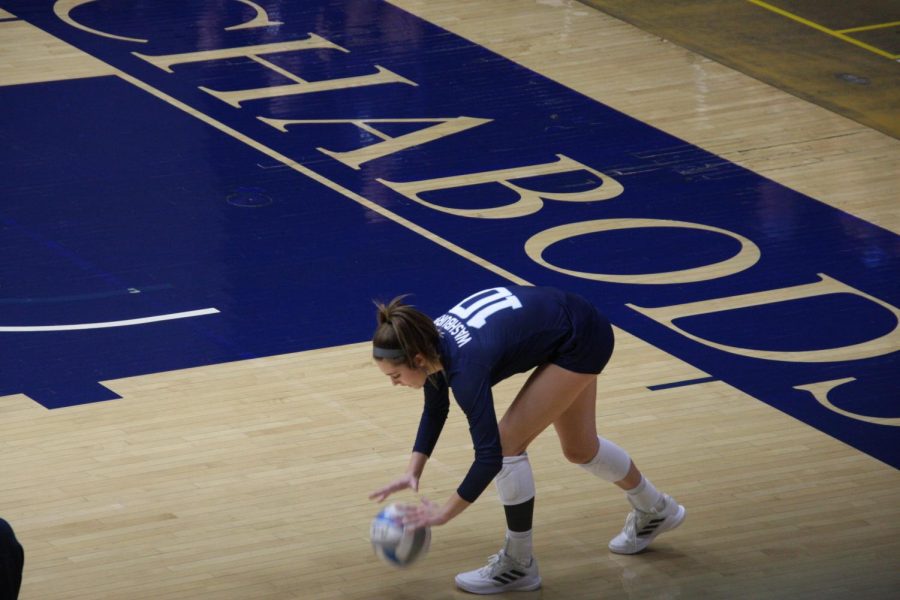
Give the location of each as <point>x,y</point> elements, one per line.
<point>484,339</point>
<point>12,561</point>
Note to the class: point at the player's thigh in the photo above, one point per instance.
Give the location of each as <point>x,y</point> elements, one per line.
<point>547,394</point>
<point>577,426</point>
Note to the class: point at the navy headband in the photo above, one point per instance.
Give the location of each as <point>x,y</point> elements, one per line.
<point>390,353</point>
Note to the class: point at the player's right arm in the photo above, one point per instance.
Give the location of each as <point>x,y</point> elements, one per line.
<point>410,479</point>
<point>434,415</point>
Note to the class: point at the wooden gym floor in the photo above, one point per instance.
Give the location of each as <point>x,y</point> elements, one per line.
<point>836,55</point>
<point>248,479</point>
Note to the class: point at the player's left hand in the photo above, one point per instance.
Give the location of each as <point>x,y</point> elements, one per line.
<point>425,514</point>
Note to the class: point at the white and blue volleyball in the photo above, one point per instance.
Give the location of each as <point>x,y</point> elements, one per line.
<point>395,544</point>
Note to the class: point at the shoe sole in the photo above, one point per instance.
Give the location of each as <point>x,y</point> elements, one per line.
<point>499,590</point>
<point>670,524</point>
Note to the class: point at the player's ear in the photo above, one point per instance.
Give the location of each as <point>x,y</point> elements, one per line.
<point>420,361</point>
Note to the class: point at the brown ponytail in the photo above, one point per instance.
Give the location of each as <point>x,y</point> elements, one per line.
<point>402,333</point>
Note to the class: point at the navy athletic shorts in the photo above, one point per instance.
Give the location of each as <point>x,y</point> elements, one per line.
<point>590,343</point>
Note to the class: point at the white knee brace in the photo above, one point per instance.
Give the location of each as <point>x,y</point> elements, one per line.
<point>515,482</point>
<point>611,463</point>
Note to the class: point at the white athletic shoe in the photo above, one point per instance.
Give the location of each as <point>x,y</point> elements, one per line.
<point>502,574</point>
<point>641,527</point>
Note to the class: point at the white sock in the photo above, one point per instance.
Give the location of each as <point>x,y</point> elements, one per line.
<point>645,496</point>
<point>518,545</point>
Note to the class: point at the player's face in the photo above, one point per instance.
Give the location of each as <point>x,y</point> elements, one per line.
<point>402,375</point>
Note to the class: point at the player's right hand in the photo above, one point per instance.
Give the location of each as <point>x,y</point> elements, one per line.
<point>401,483</point>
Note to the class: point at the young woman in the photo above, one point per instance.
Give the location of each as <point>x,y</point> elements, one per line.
<point>484,339</point>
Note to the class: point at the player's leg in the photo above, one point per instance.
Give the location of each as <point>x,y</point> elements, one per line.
<point>543,398</point>
<point>654,512</point>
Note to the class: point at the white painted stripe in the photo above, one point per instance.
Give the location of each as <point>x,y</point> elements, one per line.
<point>169,317</point>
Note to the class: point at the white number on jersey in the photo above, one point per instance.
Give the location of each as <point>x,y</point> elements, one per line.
<point>483,304</point>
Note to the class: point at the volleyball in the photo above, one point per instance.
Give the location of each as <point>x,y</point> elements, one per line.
<point>395,544</point>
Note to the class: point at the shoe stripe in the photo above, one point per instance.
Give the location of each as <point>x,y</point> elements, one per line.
<point>650,527</point>
<point>508,577</point>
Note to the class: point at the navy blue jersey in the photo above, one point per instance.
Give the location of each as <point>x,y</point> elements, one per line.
<point>496,333</point>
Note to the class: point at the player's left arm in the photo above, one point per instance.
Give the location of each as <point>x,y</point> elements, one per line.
<point>477,402</point>
<point>428,513</point>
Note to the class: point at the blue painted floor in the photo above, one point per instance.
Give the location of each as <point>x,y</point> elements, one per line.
<point>121,207</point>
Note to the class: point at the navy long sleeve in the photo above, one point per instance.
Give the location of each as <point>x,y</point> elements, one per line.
<point>434,415</point>
<point>478,405</point>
